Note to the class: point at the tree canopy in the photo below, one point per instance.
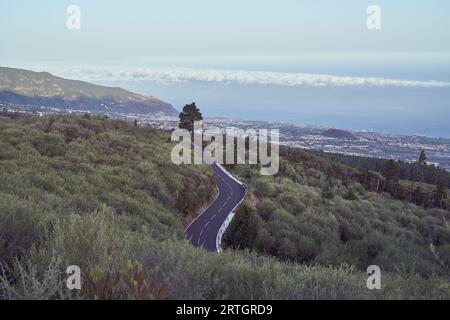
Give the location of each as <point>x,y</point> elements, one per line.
<point>422,158</point>
<point>189,115</point>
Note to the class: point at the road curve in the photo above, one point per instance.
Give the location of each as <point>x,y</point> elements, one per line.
<point>204,230</point>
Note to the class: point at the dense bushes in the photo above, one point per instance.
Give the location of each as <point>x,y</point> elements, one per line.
<point>62,178</point>
<point>244,229</point>
<point>317,218</point>
<point>383,176</point>
<point>21,227</point>
<point>102,194</point>
<point>424,185</point>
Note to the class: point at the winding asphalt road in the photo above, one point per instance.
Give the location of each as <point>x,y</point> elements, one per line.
<point>204,230</point>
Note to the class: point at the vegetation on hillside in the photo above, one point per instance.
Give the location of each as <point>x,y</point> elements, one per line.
<point>316,211</point>
<point>418,171</point>
<point>102,194</point>
<point>24,87</point>
<point>379,175</point>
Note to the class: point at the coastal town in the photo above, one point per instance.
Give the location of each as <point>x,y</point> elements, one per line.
<point>361,143</point>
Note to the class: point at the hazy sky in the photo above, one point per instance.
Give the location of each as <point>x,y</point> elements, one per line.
<point>36,30</point>
<point>254,59</point>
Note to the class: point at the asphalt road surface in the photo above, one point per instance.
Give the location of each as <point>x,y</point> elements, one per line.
<point>203,230</point>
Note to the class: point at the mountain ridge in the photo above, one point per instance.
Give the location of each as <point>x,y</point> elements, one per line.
<point>21,86</point>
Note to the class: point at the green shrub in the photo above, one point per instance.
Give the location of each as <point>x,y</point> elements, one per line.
<point>103,194</point>
<point>244,229</point>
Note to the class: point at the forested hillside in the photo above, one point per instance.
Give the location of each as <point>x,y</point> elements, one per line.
<point>320,212</point>
<point>418,183</point>
<point>419,172</point>
<point>103,194</point>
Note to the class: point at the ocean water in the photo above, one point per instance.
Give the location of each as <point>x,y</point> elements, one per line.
<point>421,110</point>
<point>424,111</point>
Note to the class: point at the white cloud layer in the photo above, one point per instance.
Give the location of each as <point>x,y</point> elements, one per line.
<point>177,75</point>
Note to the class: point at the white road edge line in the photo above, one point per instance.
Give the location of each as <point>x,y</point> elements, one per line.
<point>229,174</point>
<point>230,216</point>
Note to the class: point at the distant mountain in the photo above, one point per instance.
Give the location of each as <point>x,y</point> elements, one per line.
<point>338,134</point>
<point>44,89</point>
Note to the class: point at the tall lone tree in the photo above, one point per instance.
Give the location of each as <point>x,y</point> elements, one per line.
<point>422,158</point>
<point>189,115</point>
<point>416,172</point>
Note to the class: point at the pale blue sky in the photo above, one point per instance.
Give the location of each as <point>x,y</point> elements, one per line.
<point>121,41</point>
<point>34,30</point>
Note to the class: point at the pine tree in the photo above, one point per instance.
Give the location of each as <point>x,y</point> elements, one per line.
<point>189,115</point>
<point>419,196</point>
<point>422,158</point>
<point>440,193</point>
<point>391,174</point>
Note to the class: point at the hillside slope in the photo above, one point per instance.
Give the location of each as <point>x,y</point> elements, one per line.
<point>43,89</point>
<point>318,212</point>
<point>103,194</point>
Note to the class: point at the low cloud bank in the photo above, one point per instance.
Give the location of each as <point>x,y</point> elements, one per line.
<point>180,75</point>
